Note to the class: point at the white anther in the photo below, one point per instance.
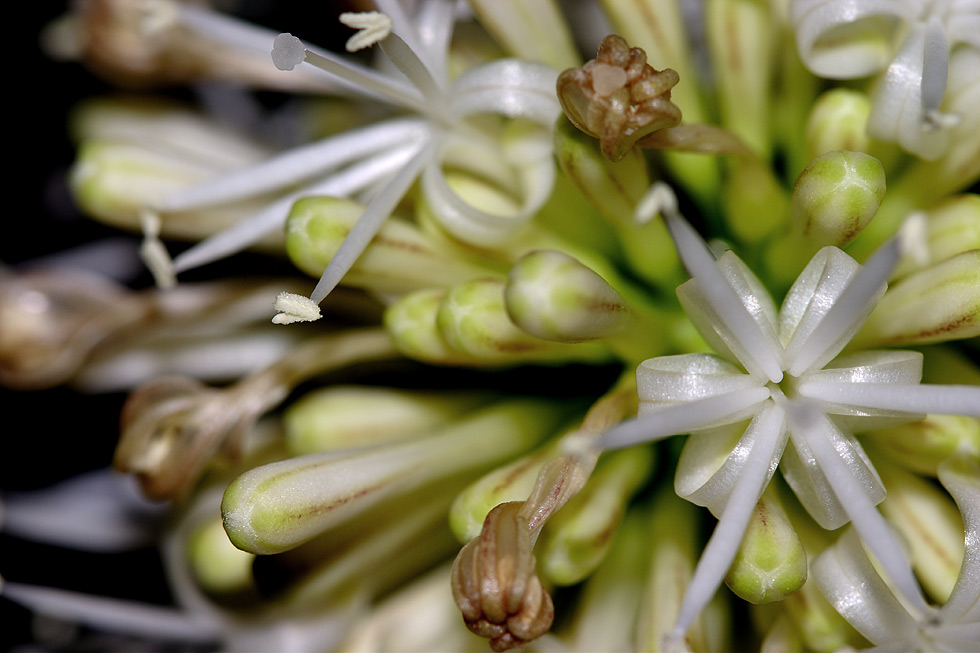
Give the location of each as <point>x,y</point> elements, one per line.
<point>659,199</point>
<point>374,26</point>
<point>154,254</point>
<point>295,308</point>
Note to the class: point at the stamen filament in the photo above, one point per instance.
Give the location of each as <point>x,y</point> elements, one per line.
<point>941,399</point>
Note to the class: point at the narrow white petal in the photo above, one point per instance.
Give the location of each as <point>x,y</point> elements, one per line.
<point>851,584</point>
<point>113,615</point>
<point>722,298</point>
<point>509,87</point>
<point>295,165</point>
<point>682,418</point>
<point>870,525</point>
<point>370,221</point>
<point>727,537</point>
<point>962,478</point>
<point>434,23</point>
<point>100,510</point>
<point>686,377</point>
<point>850,309</point>
<point>942,399</point>
<point>270,219</point>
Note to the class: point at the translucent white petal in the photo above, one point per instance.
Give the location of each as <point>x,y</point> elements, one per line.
<point>727,536</point>
<point>683,418</point>
<point>296,165</point>
<point>850,583</point>
<point>942,399</point>
<point>735,314</point>
<point>849,310</point>
<point>686,377</point>
<point>507,87</point>
<point>897,111</point>
<point>962,478</point>
<point>812,295</point>
<point>714,492</point>
<point>842,39</point>
<point>100,510</point>
<point>856,496</point>
<point>805,474</point>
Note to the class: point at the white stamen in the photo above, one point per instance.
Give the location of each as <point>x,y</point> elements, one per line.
<point>374,26</point>
<point>295,308</point>
<point>288,52</point>
<point>153,252</point>
<point>935,65</point>
<point>682,418</point>
<point>940,399</point>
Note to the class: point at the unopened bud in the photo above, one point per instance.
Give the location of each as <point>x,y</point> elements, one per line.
<point>935,304</point>
<point>836,196</point>
<point>217,565</point>
<point>771,562</point>
<point>920,446</point>
<point>278,506</point>
<point>341,417</point>
<point>755,202</point>
<point>952,227</point>
<point>837,122</point>
<point>411,323</point>
<point>399,259</point>
<point>553,296</point>
<point>473,319</point>
<point>578,536</point>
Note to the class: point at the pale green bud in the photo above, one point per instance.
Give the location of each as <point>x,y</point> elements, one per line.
<point>952,227</point>
<point>921,446</point>
<point>340,417</point>
<point>535,31</point>
<point>836,196</point>
<point>837,122</point>
<point>473,320</point>
<point>771,562</point>
<point>930,524</point>
<point>411,323</point>
<point>935,304</point>
<point>278,506</point>
<point>399,259</point>
<point>553,296</point>
<point>817,622</point>
<point>578,537</point>
<point>754,201</point>
<point>218,567</point>
<point>511,482</point>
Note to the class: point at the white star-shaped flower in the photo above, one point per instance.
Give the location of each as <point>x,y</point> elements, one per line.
<point>783,371</point>
<point>911,40</point>
<point>383,160</point>
<point>850,582</point>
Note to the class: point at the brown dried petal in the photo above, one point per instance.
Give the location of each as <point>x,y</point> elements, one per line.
<point>617,97</point>
<point>495,585</point>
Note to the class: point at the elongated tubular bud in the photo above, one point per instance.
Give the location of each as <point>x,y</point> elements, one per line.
<point>278,506</point>
<point>921,446</point>
<point>771,563</point>
<point>553,296</point>
<point>399,258</point>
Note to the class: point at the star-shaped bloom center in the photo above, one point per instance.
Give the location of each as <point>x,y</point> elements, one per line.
<point>783,371</point>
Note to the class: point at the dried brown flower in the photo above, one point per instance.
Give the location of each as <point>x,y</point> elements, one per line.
<point>617,97</point>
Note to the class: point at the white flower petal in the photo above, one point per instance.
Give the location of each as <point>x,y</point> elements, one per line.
<point>962,478</point>
<point>683,418</point>
<point>841,39</point>
<point>851,584</point>
<point>810,482</point>
<point>508,87</point>
<point>727,536</point>
<point>735,314</point>
<point>666,380</point>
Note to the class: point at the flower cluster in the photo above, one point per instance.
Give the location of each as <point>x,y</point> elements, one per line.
<point>535,268</point>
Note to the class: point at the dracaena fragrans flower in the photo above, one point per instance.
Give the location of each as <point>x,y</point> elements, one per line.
<point>785,372</point>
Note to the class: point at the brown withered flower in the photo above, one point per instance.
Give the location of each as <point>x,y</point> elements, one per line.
<point>618,97</point>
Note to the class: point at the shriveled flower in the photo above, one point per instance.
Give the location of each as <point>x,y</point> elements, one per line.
<point>911,41</point>
<point>795,387</point>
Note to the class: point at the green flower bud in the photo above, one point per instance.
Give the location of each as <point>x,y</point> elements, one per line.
<point>473,320</point>
<point>341,417</point>
<point>836,196</point>
<point>399,259</point>
<point>278,506</point>
<point>535,31</point>
<point>511,482</point>
<point>929,522</point>
<point>217,565</point>
<point>553,296</point>
<point>952,227</point>
<point>816,621</point>
<point>754,201</point>
<point>577,537</point>
<point>935,304</point>
<point>837,122</point>
<point>920,446</point>
<point>771,562</point>
<point>411,323</point>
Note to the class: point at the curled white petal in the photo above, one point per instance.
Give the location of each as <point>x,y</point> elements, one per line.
<point>961,476</point>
